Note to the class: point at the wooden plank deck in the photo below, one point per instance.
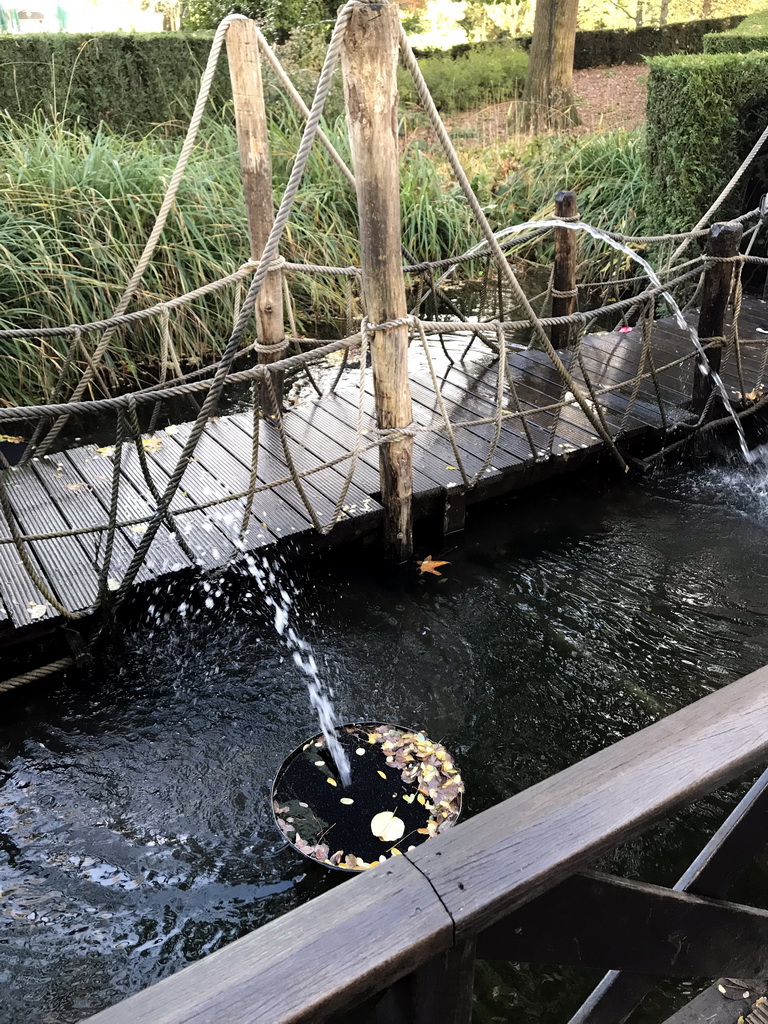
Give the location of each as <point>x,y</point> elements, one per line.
<point>70,490</point>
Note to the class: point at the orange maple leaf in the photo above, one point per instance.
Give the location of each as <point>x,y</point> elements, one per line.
<point>428,565</point>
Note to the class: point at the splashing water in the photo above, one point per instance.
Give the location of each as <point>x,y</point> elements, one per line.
<point>277,597</point>
<point>677,313</point>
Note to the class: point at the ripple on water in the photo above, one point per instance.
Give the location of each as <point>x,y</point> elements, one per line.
<point>135,830</point>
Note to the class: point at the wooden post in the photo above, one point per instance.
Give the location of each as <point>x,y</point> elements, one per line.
<point>369,65</point>
<point>440,990</point>
<point>564,279</point>
<point>724,240</point>
<point>256,174</point>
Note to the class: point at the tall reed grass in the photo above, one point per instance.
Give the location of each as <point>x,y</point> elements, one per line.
<point>76,208</point>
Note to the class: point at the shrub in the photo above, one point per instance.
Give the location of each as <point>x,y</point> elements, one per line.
<point>704,114</point>
<point>75,211</point>
<point>278,17</point>
<point>477,77</point>
<point>617,46</point>
<point>751,34</point>
<point>128,80</point>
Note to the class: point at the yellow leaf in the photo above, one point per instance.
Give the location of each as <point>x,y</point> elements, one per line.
<point>387,827</point>
<point>138,528</point>
<point>331,782</point>
<point>172,429</point>
<point>77,486</point>
<point>381,774</point>
<point>11,439</point>
<point>108,449</point>
<point>151,444</point>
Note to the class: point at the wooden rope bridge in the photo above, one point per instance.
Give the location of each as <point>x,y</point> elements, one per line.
<point>422,433</point>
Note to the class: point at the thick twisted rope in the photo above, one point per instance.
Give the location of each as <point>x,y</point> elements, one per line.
<point>157,229</point>
<point>36,673</point>
<point>505,269</point>
<point>267,256</point>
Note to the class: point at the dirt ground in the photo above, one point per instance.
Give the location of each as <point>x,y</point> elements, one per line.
<point>607,99</point>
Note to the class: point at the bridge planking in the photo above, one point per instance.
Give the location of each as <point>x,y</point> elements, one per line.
<point>71,489</point>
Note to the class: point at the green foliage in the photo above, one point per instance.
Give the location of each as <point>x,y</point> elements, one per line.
<point>476,77</point>
<point>751,34</point>
<point>278,17</point>
<point>75,211</point>
<point>617,46</point>
<point>704,114</point>
<point>128,80</point>
<point>608,173</point>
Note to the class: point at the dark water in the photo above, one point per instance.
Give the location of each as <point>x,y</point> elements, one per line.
<point>134,827</point>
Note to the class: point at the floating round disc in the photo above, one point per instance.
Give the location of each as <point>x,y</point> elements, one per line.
<point>404,789</point>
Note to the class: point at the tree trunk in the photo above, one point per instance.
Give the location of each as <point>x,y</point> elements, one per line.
<point>639,14</point>
<point>663,12</point>
<point>548,96</point>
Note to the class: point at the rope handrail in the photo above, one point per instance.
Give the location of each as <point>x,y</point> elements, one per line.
<point>498,401</point>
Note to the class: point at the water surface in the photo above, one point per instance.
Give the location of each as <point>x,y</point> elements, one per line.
<point>135,834</point>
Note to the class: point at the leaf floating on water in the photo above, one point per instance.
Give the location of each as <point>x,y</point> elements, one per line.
<point>381,774</point>
<point>430,565</point>
<point>319,764</point>
<point>331,782</point>
<point>347,800</point>
<point>387,827</point>
<point>409,799</point>
<point>360,751</point>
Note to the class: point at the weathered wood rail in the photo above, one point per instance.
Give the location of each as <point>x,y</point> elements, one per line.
<point>513,883</point>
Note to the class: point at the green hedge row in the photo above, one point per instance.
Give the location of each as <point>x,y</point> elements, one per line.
<point>129,81</point>
<point>705,112</point>
<point>619,46</point>
<point>750,35</point>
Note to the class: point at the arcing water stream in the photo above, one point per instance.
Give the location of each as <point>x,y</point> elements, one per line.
<point>278,598</point>
<point>136,832</point>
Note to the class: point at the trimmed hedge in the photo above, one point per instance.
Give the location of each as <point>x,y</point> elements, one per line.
<point>750,35</point>
<point>618,46</point>
<point>705,112</point>
<point>461,83</point>
<point>127,80</point>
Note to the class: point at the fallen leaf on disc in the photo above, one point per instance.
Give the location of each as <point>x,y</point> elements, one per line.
<point>172,429</point>
<point>108,449</point>
<point>387,827</point>
<point>37,611</point>
<point>151,444</point>
<point>430,565</point>
<point>76,486</point>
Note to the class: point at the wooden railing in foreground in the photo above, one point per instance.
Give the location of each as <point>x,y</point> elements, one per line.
<point>506,885</point>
